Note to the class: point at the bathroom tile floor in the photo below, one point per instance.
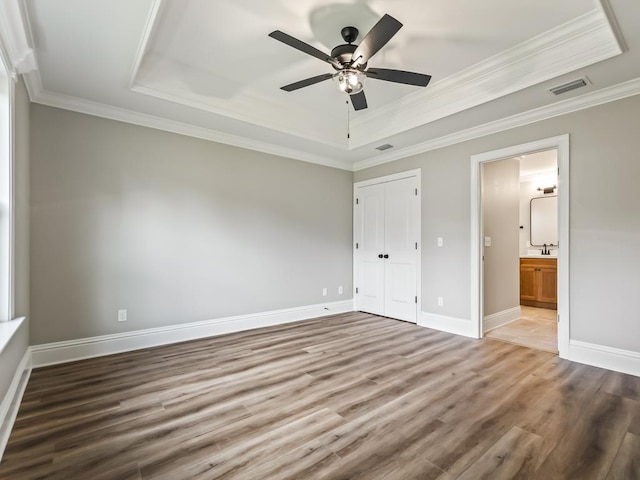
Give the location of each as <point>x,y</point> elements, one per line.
<point>537,328</point>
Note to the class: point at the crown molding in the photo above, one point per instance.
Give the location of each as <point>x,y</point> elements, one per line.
<point>263,112</point>
<point>592,99</point>
<point>588,100</point>
<point>576,44</point>
<point>594,21</point>
<point>147,33</point>
<point>88,107</point>
<point>251,107</point>
<point>16,50</point>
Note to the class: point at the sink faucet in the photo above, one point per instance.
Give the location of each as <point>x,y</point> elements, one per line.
<point>545,251</point>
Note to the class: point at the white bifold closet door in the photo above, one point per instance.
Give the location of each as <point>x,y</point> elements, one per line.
<point>386,255</point>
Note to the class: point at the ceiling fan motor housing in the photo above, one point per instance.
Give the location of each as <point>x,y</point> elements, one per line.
<point>349,34</point>
<point>344,54</point>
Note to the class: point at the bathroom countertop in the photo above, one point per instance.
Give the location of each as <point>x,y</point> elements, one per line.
<point>538,255</point>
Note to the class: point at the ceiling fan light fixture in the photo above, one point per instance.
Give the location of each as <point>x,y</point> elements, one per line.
<point>350,61</point>
<point>349,80</point>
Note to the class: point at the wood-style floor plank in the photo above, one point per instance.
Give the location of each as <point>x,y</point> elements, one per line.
<point>626,465</point>
<point>515,455</point>
<point>350,396</point>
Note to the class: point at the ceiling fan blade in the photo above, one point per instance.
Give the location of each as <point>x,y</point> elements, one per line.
<point>306,82</point>
<point>377,38</point>
<point>399,76</point>
<point>303,47</point>
<point>359,101</point>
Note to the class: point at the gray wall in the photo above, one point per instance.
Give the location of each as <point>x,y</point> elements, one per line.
<point>604,221</point>
<point>14,351</point>
<point>500,219</point>
<point>174,229</point>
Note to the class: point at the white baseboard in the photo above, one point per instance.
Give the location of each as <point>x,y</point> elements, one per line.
<point>67,351</point>
<point>11,401</point>
<point>624,361</point>
<point>458,326</point>
<point>501,318</point>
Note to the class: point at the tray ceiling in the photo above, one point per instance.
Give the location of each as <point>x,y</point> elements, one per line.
<point>208,69</point>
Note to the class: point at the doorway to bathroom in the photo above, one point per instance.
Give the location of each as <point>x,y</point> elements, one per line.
<point>520,263</point>
<point>520,244</point>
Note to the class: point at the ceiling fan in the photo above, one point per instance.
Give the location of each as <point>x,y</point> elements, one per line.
<point>350,61</point>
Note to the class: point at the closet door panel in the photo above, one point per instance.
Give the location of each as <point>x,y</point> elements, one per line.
<point>370,238</point>
<point>400,237</point>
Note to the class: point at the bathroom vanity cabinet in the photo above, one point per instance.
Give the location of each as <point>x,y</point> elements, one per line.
<point>539,282</point>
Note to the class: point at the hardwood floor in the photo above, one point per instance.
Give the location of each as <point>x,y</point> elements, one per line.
<point>350,396</point>
<point>537,328</point>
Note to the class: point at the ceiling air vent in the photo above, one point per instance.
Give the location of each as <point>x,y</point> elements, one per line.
<point>567,87</point>
<point>384,147</point>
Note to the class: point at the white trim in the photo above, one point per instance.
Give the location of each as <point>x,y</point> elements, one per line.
<point>605,95</point>
<point>8,330</point>
<point>15,38</point>
<point>457,326</point>
<point>578,43</point>
<point>607,9</point>
<point>8,179</point>
<point>259,110</point>
<point>498,319</point>
<point>592,99</point>
<point>71,350</point>
<point>151,121</point>
<point>149,26</point>
<point>12,200</point>
<point>561,144</point>
<point>625,361</point>
<point>417,173</point>
<point>250,107</point>
<point>11,401</point>
<point>593,22</point>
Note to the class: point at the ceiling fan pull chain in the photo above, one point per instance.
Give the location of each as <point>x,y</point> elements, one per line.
<point>348,122</point>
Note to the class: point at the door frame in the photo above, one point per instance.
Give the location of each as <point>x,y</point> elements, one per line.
<point>561,144</point>
<point>417,173</point>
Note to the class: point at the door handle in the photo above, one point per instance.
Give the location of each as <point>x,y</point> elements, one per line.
<point>380,256</point>
<point>386,256</point>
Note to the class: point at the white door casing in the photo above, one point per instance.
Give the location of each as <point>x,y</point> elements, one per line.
<point>387,246</point>
<point>561,144</point>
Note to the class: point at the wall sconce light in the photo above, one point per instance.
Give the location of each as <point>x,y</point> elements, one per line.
<point>546,190</point>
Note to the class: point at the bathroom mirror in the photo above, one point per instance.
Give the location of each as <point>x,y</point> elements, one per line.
<point>544,221</point>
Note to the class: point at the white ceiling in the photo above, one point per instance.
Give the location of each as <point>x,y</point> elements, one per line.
<point>537,163</point>
<point>208,69</point>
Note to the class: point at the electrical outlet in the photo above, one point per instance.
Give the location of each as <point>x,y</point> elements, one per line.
<point>324,292</point>
<point>122,315</point>
<point>440,301</point>
<point>340,290</point>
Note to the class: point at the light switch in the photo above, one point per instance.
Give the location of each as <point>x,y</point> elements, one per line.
<point>440,241</point>
<point>487,241</point>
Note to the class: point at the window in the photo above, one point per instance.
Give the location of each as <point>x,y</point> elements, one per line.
<point>6,182</point>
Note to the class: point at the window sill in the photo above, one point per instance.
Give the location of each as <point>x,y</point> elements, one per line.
<point>7,330</point>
